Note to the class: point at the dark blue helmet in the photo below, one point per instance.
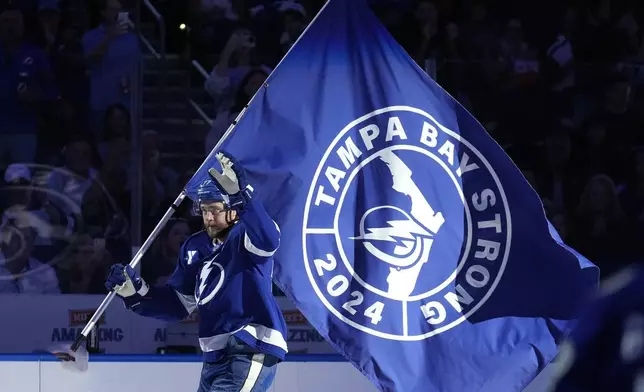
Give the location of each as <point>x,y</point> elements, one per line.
<point>207,192</point>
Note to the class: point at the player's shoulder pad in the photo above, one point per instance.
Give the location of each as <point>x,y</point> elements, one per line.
<point>197,239</point>
<point>194,246</point>
<point>237,230</point>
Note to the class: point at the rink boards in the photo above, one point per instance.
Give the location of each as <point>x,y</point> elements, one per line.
<point>167,373</point>
<point>33,323</point>
<point>176,373</point>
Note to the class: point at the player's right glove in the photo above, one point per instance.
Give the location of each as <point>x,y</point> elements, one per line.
<point>127,283</point>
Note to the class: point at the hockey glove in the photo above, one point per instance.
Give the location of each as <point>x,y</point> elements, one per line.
<point>231,181</point>
<point>127,283</point>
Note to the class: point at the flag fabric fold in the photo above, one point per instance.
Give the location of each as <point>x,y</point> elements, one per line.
<point>410,240</point>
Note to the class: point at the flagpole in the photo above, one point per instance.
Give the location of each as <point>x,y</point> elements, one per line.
<point>171,210</point>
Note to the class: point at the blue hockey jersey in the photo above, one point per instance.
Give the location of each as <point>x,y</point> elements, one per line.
<point>605,352</point>
<point>229,283</point>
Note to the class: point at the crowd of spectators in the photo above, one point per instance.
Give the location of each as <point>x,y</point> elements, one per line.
<point>558,84</point>
<point>66,71</point>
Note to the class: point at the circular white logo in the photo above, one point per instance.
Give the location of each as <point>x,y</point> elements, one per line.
<point>44,222</point>
<point>406,228</point>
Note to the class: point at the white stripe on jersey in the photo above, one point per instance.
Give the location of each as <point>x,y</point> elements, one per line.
<point>259,332</point>
<point>256,365</point>
<point>255,250</point>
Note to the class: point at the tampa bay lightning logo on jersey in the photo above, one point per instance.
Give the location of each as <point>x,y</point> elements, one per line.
<point>211,279</point>
<point>406,229</point>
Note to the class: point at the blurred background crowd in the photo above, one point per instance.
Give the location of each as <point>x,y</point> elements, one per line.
<point>558,84</point>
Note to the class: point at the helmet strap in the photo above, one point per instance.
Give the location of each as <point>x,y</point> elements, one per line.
<point>229,217</point>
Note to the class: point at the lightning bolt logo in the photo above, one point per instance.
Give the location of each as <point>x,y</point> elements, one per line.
<point>398,230</point>
<point>408,236</point>
<point>203,277</point>
<point>206,270</point>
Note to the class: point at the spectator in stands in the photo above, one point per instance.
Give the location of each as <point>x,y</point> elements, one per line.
<point>567,112</point>
<point>557,180</point>
<point>28,206</point>
<point>479,38</point>
<point>562,225</point>
<point>593,154</point>
<point>117,155</point>
<point>423,38</point>
<point>235,62</point>
<point>71,181</point>
<point>248,87</point>
<point>628,30</point>
<point>85,267</point>
<point>106,204</point>
<point>158,179</point>
<point>17,190</point>
<point>294,21</point>
<point>480,33</point>
<point>513,44</point>
<point>604,233</point>
<point>69,62</point>
<point>59,121</point>
<point>617,97</point>
<point>182,180</point>
<point>184,210</point>
<point>117,125</point>
<point>220,9</point>
<point>561,68</point>
<point>27,81</point>
<point>159,263</point>
<point>618,115</point>
<point>20,272</point>
<point>632,197</point>
<point>111,52</point>
<point>49,20</point>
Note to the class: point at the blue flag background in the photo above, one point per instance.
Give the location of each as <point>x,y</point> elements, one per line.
<point>409,238</point>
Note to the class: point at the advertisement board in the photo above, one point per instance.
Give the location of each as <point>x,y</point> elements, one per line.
<point>35,323</point>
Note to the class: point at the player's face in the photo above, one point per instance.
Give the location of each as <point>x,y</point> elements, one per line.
<point>214,218</point>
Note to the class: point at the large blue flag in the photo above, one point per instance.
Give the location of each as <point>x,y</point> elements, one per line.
<point>410,240</point>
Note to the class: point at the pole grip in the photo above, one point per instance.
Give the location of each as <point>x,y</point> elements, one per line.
<point>77,342</point>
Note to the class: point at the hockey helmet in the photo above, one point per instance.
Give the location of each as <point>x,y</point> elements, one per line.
<point>208,193</point>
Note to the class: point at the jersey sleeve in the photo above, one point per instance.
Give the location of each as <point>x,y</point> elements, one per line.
<point>261,233</point>
<point>175,300</point>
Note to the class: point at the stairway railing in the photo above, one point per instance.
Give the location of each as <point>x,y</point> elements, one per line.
<point>204,116</point>
<point>160,55</point>
<point>200,111</point>
<point>136,218</point>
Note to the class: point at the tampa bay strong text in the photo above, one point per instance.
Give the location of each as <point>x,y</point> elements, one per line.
<point>419,260</point>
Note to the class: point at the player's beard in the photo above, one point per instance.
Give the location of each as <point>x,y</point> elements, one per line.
<point>218,233</point>
<point>213,231</point>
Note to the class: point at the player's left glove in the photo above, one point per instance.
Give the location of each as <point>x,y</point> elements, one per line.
<point>231,181</point>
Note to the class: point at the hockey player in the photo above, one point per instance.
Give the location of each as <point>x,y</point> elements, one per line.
<point>605,352</point>
<point>225,272</point>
